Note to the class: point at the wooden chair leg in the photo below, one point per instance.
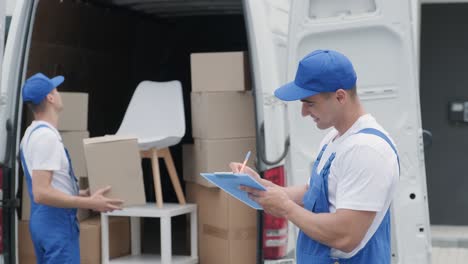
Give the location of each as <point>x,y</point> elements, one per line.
<point>173,174</point>
<point>156,177</point>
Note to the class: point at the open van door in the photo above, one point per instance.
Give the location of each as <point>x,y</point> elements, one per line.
<point>377,36</point>
<point>267,28</point>
<point>2,31</point>
<point>12,76</point>
<point>2,40</point>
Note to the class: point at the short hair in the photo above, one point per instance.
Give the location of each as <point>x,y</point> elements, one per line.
<point>37,108</point>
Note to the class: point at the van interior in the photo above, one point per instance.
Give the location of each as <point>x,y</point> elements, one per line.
<point>106,50</point>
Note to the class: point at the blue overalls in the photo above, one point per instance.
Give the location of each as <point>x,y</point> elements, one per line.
<point>54,231</point>
<point>309,251</point>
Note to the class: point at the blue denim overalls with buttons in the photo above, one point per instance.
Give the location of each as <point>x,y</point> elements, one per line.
<point>54,231</point>
<point>309,251</point>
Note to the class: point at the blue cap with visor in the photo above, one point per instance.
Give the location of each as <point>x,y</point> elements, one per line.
<point>38,86</point>
<point>319,72</point>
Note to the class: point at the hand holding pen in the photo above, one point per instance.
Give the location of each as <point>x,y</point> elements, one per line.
<point>247,156</point>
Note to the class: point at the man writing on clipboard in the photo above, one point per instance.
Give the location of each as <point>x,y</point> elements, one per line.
<point>343,212</point>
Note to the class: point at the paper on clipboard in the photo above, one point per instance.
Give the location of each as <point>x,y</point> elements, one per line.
<point>230,182</point>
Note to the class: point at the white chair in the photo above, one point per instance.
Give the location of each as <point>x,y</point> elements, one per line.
<point>156,117</point>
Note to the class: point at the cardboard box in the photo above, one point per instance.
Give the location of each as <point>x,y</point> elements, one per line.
<point>210,155</point>
<point>83,214</point>
<point>83,183</point>
<point>25,202</point>
<point>26,253</point>
<point>227,230</point>
<point>90,240</point>
<point>219,71</point>
<point>73,141</point>
<point>74,116</point>
<point>223,115</point>
<point>115,161</point>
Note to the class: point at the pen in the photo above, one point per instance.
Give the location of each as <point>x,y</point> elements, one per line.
<point>245,161</point>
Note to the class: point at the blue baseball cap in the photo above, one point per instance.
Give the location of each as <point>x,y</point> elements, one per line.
<point>38,86</point>
<point>319,72</point>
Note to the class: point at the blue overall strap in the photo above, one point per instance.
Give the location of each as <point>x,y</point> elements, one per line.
<point>376,132</point>
<point>76,189</point>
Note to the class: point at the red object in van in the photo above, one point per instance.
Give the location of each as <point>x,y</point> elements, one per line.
<point>275,229</point>
<point>1,212</point>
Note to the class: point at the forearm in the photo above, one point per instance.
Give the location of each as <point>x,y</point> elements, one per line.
<point>296,193</point>
<point>326,228</point>
<point>53,197</point>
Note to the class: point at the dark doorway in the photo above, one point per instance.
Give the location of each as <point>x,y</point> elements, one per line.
<point>444,79</point>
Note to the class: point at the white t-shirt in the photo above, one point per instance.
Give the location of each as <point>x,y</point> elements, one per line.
<point>363,176</point>
<point>44,150</point>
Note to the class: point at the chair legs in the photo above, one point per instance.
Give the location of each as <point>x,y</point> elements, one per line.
<point>166,154</point>
<point>156,177</point>
<point>154,155</point>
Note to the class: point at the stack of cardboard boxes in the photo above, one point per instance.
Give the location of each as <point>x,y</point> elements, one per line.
<point>223,122</point>
<point>73,129</point>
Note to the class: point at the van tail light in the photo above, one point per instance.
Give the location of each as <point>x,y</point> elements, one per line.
<point>275,229</point>
<point>1,212</point>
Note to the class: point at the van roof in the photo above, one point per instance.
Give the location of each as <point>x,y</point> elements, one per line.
<point>166,8</point>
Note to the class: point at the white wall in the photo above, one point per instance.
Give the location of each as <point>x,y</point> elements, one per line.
<point>10,5</point>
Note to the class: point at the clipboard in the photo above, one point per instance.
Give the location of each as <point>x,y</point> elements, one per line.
<point>230,182</point>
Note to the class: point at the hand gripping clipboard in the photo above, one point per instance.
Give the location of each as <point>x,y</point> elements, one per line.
<point>230,182</point>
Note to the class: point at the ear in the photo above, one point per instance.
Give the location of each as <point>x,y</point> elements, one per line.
<point>50,97</point>
<point>341,95</point>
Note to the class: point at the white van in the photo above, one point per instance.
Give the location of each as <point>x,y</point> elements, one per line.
<point>377,35</point>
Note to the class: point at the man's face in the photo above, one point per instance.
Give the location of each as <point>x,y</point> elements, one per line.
<point>56,100</point>
<point>321,108</point>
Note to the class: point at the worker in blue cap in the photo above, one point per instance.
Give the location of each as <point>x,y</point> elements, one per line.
<point>52,185</point>
<point>343,212</point>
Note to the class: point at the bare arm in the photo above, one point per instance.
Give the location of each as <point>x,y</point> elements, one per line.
<point>45,194</point>
<point>296,193</point>
<point>343,230</point>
